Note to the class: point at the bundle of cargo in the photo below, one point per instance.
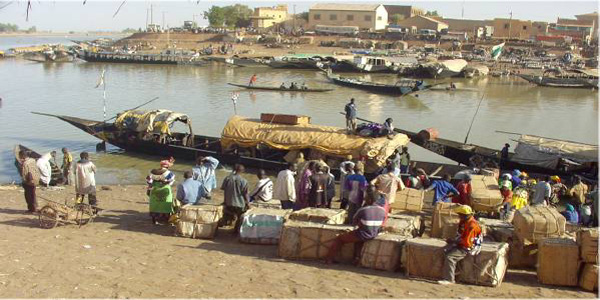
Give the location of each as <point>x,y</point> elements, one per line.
<point>383,252</point>
<point>486,268</point>
<point>497,230</point>
<point>558,261</point>
<point>306,40</point>
<point>486,193</point>
<point>522,256</point>
<point>272,204</point>
<point>589,277</point>
<point>262,225</point>
<point>424,258</point>
<point>444,221</point>
<point>320,215</point>
<point>534,223</point>
<point>306,240</point>
<point>408,200</point>
<point>199,221</point>
<point>284,119</point>
<point>587,239</point>
<point>405,225</point>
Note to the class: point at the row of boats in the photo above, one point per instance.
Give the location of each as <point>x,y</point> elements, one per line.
<point>271,142</point>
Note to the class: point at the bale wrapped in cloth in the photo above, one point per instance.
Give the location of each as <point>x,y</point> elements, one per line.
<point>262,225</point>
<point>307,240</point>
<point>320,215</point>
<point>331,141</point>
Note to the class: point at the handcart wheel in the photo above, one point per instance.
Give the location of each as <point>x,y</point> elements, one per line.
<point>48,217</point>
<point>85,213</point>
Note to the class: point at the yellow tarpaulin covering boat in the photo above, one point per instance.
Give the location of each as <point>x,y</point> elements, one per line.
<point>331,141</point>
<point>153,121</point>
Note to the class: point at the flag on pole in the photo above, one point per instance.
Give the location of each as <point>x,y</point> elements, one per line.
<point>496,50</point>
<point>101,80</point>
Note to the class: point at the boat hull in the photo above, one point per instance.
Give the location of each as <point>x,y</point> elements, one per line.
<point>561,82</point>
<point>277,89</point>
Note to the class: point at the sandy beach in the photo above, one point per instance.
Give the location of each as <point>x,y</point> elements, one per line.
<point>122,255</point>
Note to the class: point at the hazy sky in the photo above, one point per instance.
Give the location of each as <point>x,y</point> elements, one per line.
<point>98,14</point>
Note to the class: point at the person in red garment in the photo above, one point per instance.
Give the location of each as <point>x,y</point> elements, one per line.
<point>464,191</point>
<point>369,220</point>
<point>252,80</point>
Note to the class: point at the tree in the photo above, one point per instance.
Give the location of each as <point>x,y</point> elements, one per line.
<point>215,16</point>
<point>303,15</point>
<point>8,27</point>
<point>396,18</point>
<point>432,13</point>
<point>31,29</point>
<point>237,15</point>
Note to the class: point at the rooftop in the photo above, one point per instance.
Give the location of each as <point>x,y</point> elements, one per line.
<point>575,22</point>
<point>350,7</point>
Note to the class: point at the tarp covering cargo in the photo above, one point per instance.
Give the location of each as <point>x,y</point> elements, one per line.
<point>332,141</point>
<point>545,152</point>
<point>262,225</point>
<point>155,121</point>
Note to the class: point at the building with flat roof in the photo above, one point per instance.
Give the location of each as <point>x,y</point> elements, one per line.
<point>265,17</point>
<point>518,29</point>
<point>590,17</point>
<point>364,16</point>
<point>403,11</point>
<point>578,30</point>
<point>423,22</point>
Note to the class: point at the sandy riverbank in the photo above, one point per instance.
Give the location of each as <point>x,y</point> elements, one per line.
<point>123,255</point>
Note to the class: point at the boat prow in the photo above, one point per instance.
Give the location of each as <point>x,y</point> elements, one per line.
<point>84,124</point>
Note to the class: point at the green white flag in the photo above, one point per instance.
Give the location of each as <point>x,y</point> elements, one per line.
<point>496,50</point>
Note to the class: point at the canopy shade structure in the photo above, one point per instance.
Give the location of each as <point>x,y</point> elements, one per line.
<point>546,152</point>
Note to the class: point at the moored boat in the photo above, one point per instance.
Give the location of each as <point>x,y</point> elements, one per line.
<point>402,87</point>
<point>56,176</point>
<point>247,141</point>
<point>573,79</point>
<point>549,156</point>
<point>278,89</point>
<point>442,68</point>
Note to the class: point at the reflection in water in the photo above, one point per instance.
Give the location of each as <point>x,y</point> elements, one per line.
<point>202,93</point>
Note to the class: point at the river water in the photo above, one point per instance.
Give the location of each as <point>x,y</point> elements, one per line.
<point>202,92</point>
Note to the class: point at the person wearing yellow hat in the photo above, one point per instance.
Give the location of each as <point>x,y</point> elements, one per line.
<point>467,242</point>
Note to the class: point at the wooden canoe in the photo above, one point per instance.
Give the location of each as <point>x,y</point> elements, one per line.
<point>277,89</point>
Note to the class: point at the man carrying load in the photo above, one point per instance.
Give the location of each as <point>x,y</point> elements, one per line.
<point>467,242</point>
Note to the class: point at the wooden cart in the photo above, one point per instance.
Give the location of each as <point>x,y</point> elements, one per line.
<point>54,213</point>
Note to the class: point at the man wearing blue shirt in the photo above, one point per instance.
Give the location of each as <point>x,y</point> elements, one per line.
<point>190,190</point>
<point>443,190</point>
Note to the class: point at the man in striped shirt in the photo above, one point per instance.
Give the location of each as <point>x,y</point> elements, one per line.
<point>369,220</point>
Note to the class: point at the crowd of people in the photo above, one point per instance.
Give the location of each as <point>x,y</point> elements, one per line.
<point>44,172</point>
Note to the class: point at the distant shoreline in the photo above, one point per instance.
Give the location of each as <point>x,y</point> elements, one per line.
<point>19,34</point>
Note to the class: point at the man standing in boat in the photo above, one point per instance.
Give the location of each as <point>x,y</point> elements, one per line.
<point>252,80</point>
<point>351,113</point>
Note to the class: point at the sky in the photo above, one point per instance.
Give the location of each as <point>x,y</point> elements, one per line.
<point>97,15</point>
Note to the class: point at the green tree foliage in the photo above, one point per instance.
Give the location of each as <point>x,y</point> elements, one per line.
<point>8,27</point>
<point>31,29</point>
<point>237,15</point>
<point>303,15</point>
<point>432,13</point>
<point>395,18</point>
<point>215,16</point>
